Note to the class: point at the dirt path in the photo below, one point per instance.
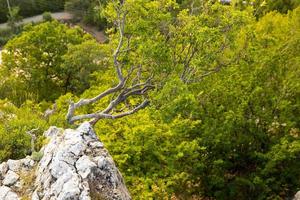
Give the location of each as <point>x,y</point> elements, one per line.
<point>98,35</point>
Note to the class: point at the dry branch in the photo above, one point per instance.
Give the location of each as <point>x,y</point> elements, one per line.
<point>121,90</point>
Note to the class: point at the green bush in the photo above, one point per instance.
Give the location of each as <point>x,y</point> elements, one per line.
<point>5,35</point>
<point>47,16</point>
<point>15,143</point>
<point>66,67</point>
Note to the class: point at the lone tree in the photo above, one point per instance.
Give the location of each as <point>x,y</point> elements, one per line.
<point>123,90</point>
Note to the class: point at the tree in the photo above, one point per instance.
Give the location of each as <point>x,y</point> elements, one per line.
<point>151,43</point>
<point>42,59</point>
<point>230,135</point>
<point>14,17</point>
<point>262,7</point>
<point>121,90</point>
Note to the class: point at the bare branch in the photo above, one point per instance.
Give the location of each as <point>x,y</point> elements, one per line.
<point>121,26</point>
<point>97,116</point>
<point>121,91</point>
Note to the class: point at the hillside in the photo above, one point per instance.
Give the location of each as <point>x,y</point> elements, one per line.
<point>192,99</point>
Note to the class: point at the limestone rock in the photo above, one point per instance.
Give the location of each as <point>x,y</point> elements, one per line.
<point>3,169</point>
<point>7,194</point>
<point>10,178</point>
<point>75,165</point>
<point>14,165</point>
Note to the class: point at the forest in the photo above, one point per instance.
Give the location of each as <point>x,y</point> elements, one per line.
<point>193,99</point>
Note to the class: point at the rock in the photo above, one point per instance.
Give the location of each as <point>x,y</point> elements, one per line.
<point>27,163</point>
<point>10,178</point>
<point>84,166</point>
<point>297,196</point>
<point>74,165</point>
<point>3,169</point>
<point>70,168</point>
<point>7,194</point>
<point>14,165</point>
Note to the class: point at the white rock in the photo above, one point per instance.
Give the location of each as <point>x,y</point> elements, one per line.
<point>14,165</point>
<point>3,192</point>
<point>71,189</point>
<point>101,162</point>
<point>72,160</point>
<point>52,132</point>
<point>10,178</point>
<point>88,130</point>
<point>84,166</point>
<point>58,186</point>
<point>35,196</point>
<point>96,144</point>
<point>7,194</point>
<point>27,163</point>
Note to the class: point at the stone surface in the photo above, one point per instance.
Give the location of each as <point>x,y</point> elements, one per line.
<point>10,178</point>
<point>7,194</point>
<point>3,169</point>
<point>14,165</point>
<point>75,165</point>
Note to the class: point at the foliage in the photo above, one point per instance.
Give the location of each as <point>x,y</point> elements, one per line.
<point>44,62</point>
<point>232,135</point>
<point>14,17</point>
<point>47,16</point>
<point>262,7</point>
<point>6,34</point>
<point>223,121</point>
<point>15,142</point>
<point>36,156</point>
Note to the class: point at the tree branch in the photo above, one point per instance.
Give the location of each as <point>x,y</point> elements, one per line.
<point>97,116</point>
<point>122,91</point>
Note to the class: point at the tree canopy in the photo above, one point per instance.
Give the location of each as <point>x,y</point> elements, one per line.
<point>220,82</point>
<point>49,60</point>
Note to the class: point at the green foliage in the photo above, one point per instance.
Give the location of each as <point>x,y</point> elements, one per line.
<point>232,135</point>
<point>47,16</point>
<point>14,17</point>
<point>7,33</point>
<point>15,142</point>
<point>46,61</point>
<point>36,156</point>
<point>223,121</point>
<point>262,7</point>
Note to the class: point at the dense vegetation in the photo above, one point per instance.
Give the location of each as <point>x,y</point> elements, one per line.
<point>223,122</point>
<point>30,8</point>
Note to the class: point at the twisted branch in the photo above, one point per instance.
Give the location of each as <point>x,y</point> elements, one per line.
<point>123,91</point>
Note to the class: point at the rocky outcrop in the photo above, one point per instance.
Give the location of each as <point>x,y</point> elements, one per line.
<point>74,165</point>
